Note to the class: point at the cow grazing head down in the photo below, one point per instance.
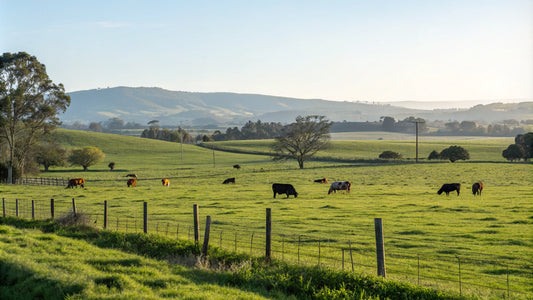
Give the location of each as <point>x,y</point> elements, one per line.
<point>236,166</point>
<point>229,180</point>
<point>282,188</point>
<point>165,182</point>
<point>132,182</point>
<point>450,187</point>
<point>340,186</point>
<point>74,182</point>
<point>477,188</point>
<point>323,180</point>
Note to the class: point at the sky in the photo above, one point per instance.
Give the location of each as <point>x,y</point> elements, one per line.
<point>449,51</point>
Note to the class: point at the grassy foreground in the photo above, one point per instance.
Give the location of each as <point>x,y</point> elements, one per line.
<point>81,263</point>
<point>491,234</point>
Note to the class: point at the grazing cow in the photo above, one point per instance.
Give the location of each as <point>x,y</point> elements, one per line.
<point>74,182</point>
<point>165,182</point>
<point>281,188</point>
<point>340,186</point>
<point>236,166</point>
<point>450,187</point>
<point>131,175</point>
<point>323,180</point>
<point>229,180</point>
<point>477,188</point>
<point>132,182</point>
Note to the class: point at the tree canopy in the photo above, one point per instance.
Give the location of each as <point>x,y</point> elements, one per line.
<point>86,157</point>
<point>455,153</point>
<point>302,139</point>
<point>29,104</point>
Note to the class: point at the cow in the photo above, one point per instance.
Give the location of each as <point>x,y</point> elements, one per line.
<point>340,186</point>
<point>131,175</point>
<point>323,180</point>
<point>229,180</point>
<point>281,188</point>
<point>236,166</point>
<point>165,182</point>
<point>477,188</point>
<point>450,187</point>
<point>74,182</point>
<point>132,182</point>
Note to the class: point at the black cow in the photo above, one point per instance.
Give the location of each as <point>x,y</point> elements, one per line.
<point>281,188</point>
<point>229,180</point>
<point>477,188</point>
<point>449,187</point>
<point>236,166</point>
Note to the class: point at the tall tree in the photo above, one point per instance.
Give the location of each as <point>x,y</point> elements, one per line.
<point>29,104</point>
<point>303,139</point>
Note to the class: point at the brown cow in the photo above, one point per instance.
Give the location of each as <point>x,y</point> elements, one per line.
<point>165,182</point>
<point>477,188</point>
<point>132,182</point>
<point>74,182</point>
<point>340,186</point>
<point>323,180</point>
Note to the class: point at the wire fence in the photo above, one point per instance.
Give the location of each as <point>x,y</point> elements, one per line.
<point>476,273</point>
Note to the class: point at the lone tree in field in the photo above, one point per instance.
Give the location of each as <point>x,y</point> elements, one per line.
<point>302,139</point>
<point>51,154</point>
<point>29,104</point>
<point>455,153</point>
<point>86,157</point>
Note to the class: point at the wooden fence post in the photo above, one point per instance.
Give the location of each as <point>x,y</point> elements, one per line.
<point>52,208</point>
<point>196,223</point>
<point>74,206</point>
<point>145,217</point>
<point>33,209</point>
<point>299,240</point>
<point>105,214</point>
<point>351,256</point>
<point>268,243</point>
<point>380,247</point>
<point>4,207</point>
<point>235,242</point>
<point>206,236</point>
<point>17,207</point>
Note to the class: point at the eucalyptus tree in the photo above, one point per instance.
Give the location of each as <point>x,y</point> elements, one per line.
<point>29,105</point>
<point>302,139</point>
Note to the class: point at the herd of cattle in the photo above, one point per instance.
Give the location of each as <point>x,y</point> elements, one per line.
<point>288,189</point>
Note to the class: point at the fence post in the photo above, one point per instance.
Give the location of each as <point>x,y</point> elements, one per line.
<point>196,223</point>
<point>235,241</point>
<point>351,255</point>
<point>342,249</point>
<point>145,217</point>
<point>17,207</point>
<point>268,242</point>
<point>105,214</point>
<point>251,244</point>
<point>52,208</point>
<point>508,282</point>
<point>299,240</point>
<point>319,253</point>
<point>206,236</point>
<point>380,247</point>
<point>33,209</point>
<point>4,207</point>
<point>74,206</point>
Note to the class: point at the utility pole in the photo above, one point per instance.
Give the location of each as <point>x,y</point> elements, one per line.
<point>418,121</point>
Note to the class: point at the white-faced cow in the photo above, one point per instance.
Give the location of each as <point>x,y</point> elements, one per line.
<point>281,188</point>
<point>340,186</point>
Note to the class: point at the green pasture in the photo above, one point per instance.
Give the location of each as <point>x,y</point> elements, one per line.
<point>489,234</point>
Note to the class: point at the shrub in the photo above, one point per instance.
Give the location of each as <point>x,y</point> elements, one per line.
<point>390,155</point>
<point>434,155</point>
<point>455,153</point>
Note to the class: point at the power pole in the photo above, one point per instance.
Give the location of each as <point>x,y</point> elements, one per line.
<point>417,122</point>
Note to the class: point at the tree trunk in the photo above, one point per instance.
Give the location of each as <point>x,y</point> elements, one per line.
<point>301,163</point>
<point>84,168</point>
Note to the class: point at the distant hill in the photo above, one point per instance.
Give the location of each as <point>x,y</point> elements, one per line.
<point>142,105</point>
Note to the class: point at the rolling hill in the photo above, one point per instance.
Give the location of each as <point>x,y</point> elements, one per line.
<point>143,104</point>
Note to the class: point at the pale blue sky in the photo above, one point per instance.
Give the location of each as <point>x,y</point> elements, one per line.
<point>335,50</point>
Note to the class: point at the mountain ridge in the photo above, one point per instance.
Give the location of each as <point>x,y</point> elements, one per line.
<point>143,104</point>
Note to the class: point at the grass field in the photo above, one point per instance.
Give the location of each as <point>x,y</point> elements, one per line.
<point>488,234</point>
